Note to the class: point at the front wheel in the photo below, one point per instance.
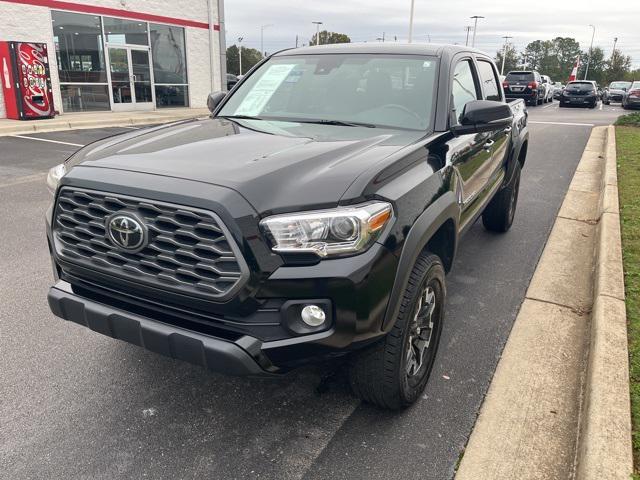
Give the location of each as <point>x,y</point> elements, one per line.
<point>393,373</point>
<point>499,214</point>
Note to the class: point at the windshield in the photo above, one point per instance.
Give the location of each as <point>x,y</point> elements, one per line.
<point>520,77</point>
<point>619,85</point>
<point>580,86</point>
<point>396,91</point>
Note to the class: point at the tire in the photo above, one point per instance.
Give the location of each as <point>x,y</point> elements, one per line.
<point>499,214</point>
<point>561,105</point>
<point>539,101</point>
<point>607,103</point>
<point>384,374</point>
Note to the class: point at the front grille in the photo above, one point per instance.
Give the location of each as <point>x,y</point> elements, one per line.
<point>188,251</point>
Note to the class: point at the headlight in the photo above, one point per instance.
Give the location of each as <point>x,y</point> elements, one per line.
<point>54,176</point>
<point>340,231</point>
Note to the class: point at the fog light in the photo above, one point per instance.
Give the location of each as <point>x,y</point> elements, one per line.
<point>313,315</point>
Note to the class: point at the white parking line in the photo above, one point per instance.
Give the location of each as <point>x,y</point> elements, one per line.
<point>50,141</point>
<point>601,105</point>
<point>565,123</point>
<point>550,105</point>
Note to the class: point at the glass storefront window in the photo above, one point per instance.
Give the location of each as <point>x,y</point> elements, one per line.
<point>119,31</point>
<point>169,65</point>
<point>169,58</point>
<point>84,98</point>
<point>79,51</point>
<point>172,96</point>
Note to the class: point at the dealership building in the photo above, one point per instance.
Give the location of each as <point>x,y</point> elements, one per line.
<point>121,55</point>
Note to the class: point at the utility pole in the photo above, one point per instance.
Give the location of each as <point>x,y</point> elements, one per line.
<point>586,71</point>
<point>262,27</point>
<point>317,24</point>
<point>615,40</point>
<point>240,52</point>
<point>475,28</point>
<point>468,28</point>
<point>413,4</point>
<point>504,52</point>
<point>296,41</point>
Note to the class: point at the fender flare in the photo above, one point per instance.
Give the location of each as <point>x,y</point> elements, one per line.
<point>443,209</point>
<point>515,156</point>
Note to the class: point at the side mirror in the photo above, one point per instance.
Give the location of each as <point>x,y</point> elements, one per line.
<point>483,116</point>
<point>214,99</point>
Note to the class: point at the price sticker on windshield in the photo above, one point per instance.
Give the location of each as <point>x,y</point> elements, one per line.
<point>263,90</point>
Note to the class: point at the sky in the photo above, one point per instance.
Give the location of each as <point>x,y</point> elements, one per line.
<point>442,21</point>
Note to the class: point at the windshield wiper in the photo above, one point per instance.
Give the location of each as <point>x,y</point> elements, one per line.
<point>241,117</point>
<point>340,123</point>
<point>319,121</point>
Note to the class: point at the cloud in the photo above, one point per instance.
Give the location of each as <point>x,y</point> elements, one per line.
<point>441,21</point>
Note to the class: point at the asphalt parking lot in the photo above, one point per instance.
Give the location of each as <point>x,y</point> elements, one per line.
<point>74,404</point>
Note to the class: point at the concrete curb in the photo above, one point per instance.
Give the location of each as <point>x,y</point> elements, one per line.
<point>558,405</point>
<point>604,445</point>
<point>102,120</point>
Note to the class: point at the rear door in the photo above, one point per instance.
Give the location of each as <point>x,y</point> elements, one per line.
<point>470,155</point>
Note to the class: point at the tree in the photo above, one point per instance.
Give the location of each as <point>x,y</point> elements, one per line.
<point>330,37</point>
<point>535,53</point>
<point>618,66</point>
<point>510,60</point>
<point>566,51</point>
<point>250,56</point>
<point>597,65</point>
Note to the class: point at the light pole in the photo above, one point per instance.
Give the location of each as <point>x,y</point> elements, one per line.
<point>262,27</point>
<point>586,70</point>
<point>468,29</point>
<point>504,52</point>
<point>475,28</point>
<point>240,52</point>
<point>413,4</point>
<point>615,40</point>
<point>317,24</point>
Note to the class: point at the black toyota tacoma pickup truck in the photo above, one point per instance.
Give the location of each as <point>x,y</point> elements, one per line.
<point>314,215</point>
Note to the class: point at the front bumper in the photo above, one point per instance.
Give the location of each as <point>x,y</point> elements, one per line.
<point>244,355</point>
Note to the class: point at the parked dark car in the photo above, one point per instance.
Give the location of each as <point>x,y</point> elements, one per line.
<point>615,92</point>
<point>526,85</point>
<point>231,81</point>
<point>631,98</point>
<point>313,216</point>
<point>580,93</point>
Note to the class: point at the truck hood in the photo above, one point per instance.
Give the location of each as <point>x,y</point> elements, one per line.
<point>276,166</point>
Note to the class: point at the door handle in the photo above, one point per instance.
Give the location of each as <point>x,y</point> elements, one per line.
<point>488,144</point>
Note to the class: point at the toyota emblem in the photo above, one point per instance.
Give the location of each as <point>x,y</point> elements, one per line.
<point>126,232</point>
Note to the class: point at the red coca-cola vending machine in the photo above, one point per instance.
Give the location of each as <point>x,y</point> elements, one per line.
<point>26,83</point>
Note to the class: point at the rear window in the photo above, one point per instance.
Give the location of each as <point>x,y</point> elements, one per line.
<point>520,77</point>
<point>580,86</point>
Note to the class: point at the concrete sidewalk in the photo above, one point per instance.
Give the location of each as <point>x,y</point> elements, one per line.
<point>71,121</point>
<point>558,405</point>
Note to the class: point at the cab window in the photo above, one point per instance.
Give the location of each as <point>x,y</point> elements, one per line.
<point>464,88</point>
<point>489,81</point>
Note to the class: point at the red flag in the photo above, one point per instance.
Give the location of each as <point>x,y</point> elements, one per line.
<point>574,72</point>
